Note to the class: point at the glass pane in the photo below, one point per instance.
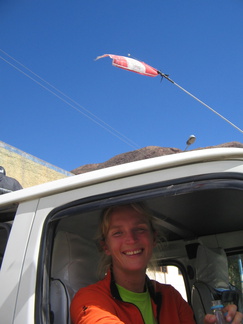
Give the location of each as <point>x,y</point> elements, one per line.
<point>235,270</point>
<point>171,276</point>
<point>4,234</point>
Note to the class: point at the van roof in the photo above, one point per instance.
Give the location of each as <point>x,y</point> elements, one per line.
<point>121,171</point>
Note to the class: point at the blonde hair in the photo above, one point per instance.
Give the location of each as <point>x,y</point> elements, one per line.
<point>105,260</point>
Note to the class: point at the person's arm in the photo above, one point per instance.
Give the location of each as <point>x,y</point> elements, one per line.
<point>232,316</point>
<point>93,315</point>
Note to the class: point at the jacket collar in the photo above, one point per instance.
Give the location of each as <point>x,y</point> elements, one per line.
<point>151,285</point>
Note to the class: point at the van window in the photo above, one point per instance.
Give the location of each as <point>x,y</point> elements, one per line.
<point>4,234</point>
<point>69,256</point>
<point>235,263</point>
<point>171,275</point>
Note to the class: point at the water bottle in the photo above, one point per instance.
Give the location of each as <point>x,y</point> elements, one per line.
<point>217,311</point>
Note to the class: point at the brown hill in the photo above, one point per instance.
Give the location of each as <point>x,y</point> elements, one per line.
<point>141,154</point>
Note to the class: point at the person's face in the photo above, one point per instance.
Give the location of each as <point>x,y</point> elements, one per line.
<point>130,240</point>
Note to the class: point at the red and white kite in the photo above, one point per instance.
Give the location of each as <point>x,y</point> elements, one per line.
<point>130,64</point>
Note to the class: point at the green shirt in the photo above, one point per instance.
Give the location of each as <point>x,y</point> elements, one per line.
<point>141,300</point>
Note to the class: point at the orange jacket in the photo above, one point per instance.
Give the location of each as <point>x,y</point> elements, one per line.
<point>101,303</point>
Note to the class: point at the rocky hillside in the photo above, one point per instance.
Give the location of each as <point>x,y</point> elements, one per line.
<point>141,154</point>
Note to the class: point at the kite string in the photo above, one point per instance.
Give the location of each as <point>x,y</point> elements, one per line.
<point>99,121</point>
<point>214,111</point>
<point>203,103</point>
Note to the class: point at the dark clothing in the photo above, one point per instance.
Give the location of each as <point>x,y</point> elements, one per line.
<point>8,184</point>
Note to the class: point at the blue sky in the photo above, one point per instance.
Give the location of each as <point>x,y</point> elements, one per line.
<point>62,106</point>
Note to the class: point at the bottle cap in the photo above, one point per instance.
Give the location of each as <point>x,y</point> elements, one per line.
<point>216,304</point>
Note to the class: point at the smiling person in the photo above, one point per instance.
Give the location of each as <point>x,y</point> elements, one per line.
<point>126,294</point>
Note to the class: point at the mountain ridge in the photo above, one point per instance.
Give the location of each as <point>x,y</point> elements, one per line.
<point>143,153</point>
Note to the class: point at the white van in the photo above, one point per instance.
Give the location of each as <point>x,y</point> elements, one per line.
<point>47,232</point>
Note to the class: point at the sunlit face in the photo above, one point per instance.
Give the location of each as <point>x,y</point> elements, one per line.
<point>130,240</point>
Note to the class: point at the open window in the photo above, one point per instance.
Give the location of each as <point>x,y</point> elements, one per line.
<point>170,274</point>
<point>235,262</point>
<point>7,215</point>
<point>235,265</point>
<point>187,210</point>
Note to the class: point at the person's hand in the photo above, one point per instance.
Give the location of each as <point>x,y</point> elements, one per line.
<point>232,316</point>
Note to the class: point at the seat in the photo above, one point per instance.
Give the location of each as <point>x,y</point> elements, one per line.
<point>73,258</point>
<point>212,282</point>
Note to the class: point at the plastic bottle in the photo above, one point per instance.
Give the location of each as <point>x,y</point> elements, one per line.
<point>217,311</point>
